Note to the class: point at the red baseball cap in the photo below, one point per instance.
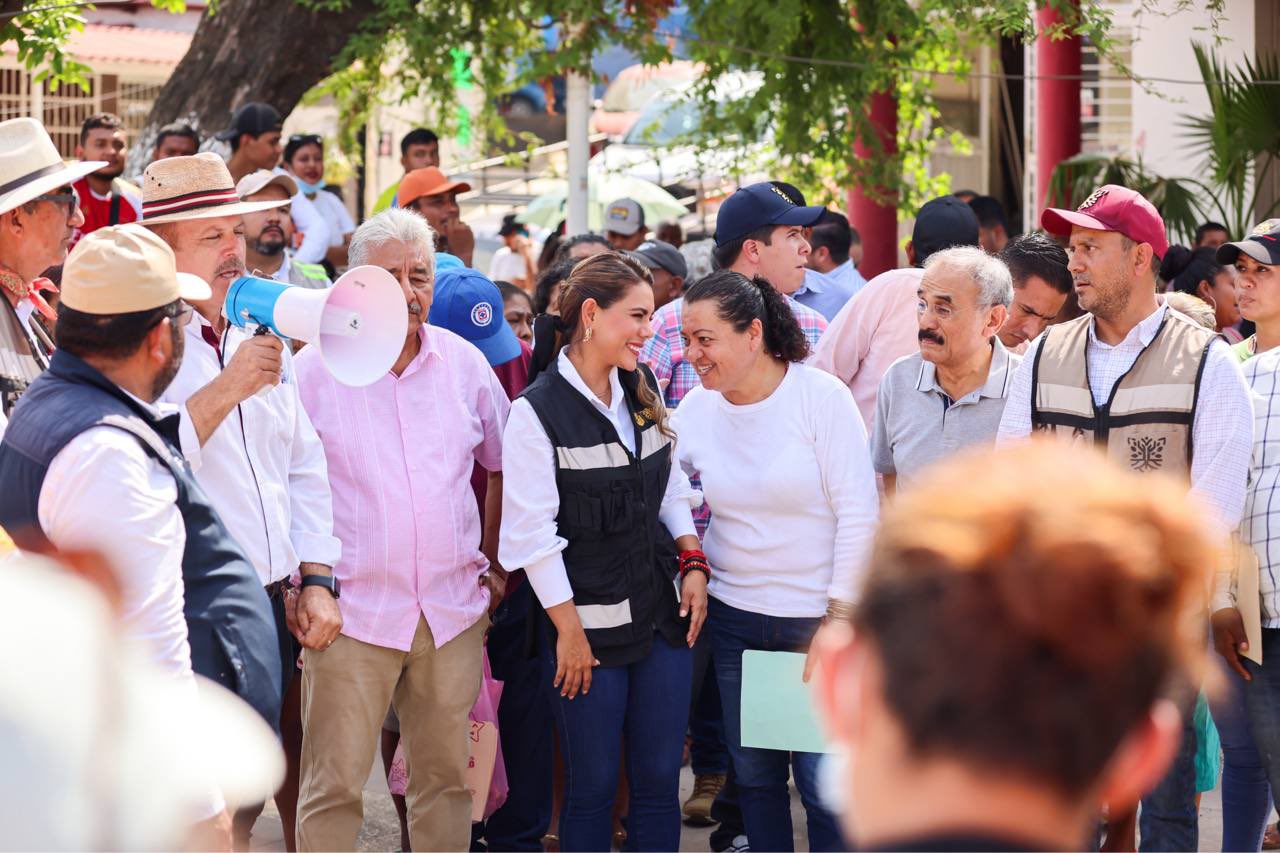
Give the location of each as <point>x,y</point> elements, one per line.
<point>1112,208</point>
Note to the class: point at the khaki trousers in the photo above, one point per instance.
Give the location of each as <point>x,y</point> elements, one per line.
<point>346,690</point>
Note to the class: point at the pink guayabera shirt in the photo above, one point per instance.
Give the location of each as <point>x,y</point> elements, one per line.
<point>874,329</point>
<point>400,454</point>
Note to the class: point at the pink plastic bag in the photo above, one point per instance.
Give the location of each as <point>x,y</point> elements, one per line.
<point>485,710</point>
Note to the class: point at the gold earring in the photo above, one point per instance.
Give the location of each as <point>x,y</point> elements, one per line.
<point>586,339</point>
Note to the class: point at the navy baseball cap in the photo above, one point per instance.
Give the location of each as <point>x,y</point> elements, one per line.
<point>942,223</point>
<point>467,303</point>
<point>757,206</point>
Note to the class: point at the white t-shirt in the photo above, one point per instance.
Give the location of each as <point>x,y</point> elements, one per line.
<point>335,216</point>
<point>507,266</point>
<point>791,491</point>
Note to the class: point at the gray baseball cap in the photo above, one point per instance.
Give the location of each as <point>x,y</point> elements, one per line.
<point>655,254</point>
<point>624,216</point>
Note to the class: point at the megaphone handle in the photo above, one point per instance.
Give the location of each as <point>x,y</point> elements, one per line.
<point>265,389</point>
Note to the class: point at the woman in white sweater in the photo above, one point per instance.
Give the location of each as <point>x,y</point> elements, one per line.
<point>787,475</point>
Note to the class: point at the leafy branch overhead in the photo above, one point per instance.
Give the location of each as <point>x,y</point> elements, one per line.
<point>818,63</point>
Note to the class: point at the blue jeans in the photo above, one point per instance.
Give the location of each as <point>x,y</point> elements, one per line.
<point>761,774</point>
<point>1168,819</point>
<point>1246,796</point>
<point>707,751</point>
<point>1262,701</point>
<point>525,727</point>
<point>645,705</point>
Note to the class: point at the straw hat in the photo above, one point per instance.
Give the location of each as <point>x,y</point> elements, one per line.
<point>197,187</point>
<point>30,164</point>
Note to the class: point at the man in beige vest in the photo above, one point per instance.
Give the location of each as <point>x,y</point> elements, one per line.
<point>1150,387</point>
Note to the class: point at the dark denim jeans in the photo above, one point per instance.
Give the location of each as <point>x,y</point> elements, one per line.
<point>761,774</point>
<point>707,751</point>
<point>1246,796</point>
<point>1168,819</point>
<point>525,727</point>
<point>645,704</point>
<point>1262,701</point>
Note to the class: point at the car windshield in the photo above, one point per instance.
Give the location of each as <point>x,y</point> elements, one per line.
<point>630,94</point>
<point>662,122</point>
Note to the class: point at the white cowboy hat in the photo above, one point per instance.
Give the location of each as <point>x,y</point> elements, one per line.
<point>30,164</point>
<point>197,187</point>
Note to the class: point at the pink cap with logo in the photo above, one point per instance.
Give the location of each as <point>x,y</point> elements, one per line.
<point>1112,208</point>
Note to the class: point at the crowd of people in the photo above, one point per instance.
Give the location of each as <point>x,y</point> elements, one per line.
<point>606,473</point>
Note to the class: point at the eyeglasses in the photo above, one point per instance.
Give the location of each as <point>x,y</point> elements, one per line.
<point>942,311</point>
<point>179,312</point>
<point>65,196</point>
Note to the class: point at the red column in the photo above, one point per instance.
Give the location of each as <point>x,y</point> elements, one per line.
<point>877,222</point>
<point>1057,102</point>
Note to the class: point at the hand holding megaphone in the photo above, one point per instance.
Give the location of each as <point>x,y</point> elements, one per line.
<point>253,367</point>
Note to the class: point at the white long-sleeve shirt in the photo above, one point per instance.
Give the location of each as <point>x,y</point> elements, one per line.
<point>1222,434</point>
<point>792,494</point>
<point>104,493</point>
<point>263,467</point>
<point>531,501</point>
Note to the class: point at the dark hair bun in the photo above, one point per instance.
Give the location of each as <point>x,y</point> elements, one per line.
<point>1175,262</point>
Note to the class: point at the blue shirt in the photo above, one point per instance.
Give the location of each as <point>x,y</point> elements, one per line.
<point>827,293</point>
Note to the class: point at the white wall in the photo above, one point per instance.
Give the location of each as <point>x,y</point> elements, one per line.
<point>1162,48</point>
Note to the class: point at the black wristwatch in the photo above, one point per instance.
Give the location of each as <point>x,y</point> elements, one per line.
<point>327,581</point>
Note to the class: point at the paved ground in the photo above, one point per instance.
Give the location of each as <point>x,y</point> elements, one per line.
<point>382,833</point>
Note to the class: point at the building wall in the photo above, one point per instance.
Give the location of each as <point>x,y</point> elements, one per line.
<point>1162,48</point>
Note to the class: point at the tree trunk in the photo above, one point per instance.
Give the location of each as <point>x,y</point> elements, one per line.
<point>271,51</point>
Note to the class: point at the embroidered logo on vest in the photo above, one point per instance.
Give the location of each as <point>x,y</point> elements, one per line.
<point>1146,454</point>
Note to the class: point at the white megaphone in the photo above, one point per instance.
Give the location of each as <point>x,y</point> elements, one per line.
<point>358,325</point>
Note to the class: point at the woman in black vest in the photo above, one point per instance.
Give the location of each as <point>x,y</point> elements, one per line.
<point>591,504</point>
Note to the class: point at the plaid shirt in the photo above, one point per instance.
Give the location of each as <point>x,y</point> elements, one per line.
<point>664,352</point>
<point>1260,526</point>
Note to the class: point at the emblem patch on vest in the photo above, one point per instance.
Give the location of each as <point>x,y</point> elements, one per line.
<point>1146,454</point>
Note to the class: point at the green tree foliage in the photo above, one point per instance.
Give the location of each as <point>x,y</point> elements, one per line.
<point>819,61</point>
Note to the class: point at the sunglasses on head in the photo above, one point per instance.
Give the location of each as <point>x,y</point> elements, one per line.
<point>301,138</point>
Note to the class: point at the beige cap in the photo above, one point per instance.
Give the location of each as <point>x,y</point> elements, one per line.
<point>256,182</point>
<point>125,268</point>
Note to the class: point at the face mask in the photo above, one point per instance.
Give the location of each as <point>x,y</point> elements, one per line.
<point>309,189</point>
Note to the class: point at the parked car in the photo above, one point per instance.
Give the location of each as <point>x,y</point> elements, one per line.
<point>634,88</point>
<point>656,147</point>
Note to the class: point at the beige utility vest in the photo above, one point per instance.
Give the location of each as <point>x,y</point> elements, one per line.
<point>1145,425</point>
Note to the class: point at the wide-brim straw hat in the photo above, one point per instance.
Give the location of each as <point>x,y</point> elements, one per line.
<point>177,189</point>
<point>30,164</point>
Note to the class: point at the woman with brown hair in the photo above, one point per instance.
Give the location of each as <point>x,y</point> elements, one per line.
<point>601,521</point>
<point>1018,654</point>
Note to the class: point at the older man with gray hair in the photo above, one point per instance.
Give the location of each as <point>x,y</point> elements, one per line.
<point>414,579</point>
<point>951,394</point>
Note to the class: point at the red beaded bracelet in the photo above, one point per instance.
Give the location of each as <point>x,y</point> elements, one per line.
<point>694,560</point>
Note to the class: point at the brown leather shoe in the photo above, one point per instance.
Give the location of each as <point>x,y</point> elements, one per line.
<point>697,809</point>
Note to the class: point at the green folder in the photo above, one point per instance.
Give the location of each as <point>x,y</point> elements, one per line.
<point>777,710</point>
